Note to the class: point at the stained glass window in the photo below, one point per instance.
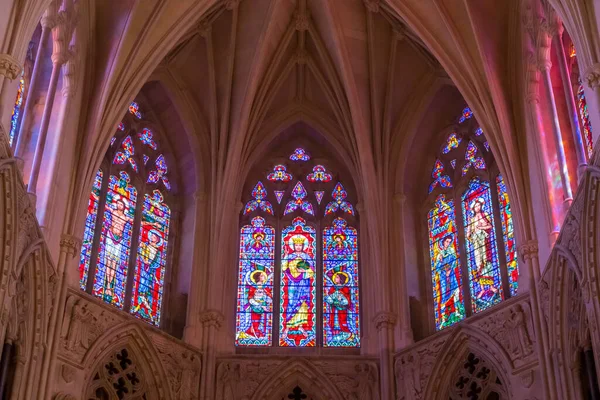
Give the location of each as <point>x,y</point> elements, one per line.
<point>446,275</point>
<point>151,259</point>
<point>14,119</point>
<point>89,230</point>
<point>126,155</point>
<point>319,196</point>
<point>341,326</point>
<point>299,195</point>
<point>510,246</point>
<point>115,242</point>
<point>297,320</point>
<point>134,109</point>
<point>129,247</point>
<point>259,194</point>
<point>585,120</point>
<point>254,318</point>
<point>466,114</point>
<point>471,159</point>
<point>299,155</point>
<point>146,137</point>
<point>279,195</point>
<point>319,174</point>
<point>339,201</point>
<point>452,142</point>
<point>279,174</point>
<point>467,249</point>
<point>439,178</point>
<point>481,248</point>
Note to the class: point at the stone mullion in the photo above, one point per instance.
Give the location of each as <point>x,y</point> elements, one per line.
<point>133,250</point>
<point>277,284</point>
<point>500,245</point>
<point>97,230</point>
<point>319,274</point>
<point>462,247</point>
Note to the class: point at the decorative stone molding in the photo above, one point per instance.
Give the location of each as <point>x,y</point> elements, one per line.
<point>385,320</point>
<point>592,76</point>
<point>232,4</point>
<point>70,72</point>
<point>63,396</point>
<point>71,244</point>
<point>301,21</point>
<point>529,250</point>
<point>10,67</point>
<point>211,318</point>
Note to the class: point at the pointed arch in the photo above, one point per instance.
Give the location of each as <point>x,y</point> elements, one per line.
<point>140,352</point>
<point>299,372</point>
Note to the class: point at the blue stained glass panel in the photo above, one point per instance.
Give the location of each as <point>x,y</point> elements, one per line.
<point>508,233</point>
<point>90,228</point>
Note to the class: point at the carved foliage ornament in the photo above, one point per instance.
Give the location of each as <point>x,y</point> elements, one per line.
<point>9,66</point>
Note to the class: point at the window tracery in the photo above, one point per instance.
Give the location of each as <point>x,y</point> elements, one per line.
<point>471,234</point>
<point>309,283</point>
<point>125,249</point>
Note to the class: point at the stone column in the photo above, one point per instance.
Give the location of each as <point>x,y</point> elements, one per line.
<point>570,99</point>
<point>47,22</point>
<point>61,36</point>
<point>402,294</point>
<point>69,247</point>
<point>529,254</point>
<point>544,64</point>
<point>591,77</point>
<point>193,330</point>
<point>385,322</point>
<point>211,321</point>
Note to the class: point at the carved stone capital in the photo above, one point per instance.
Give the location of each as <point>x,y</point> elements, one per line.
<point>70,244</point>
<point>301,21</point>
<point>211,318</point>
<point>385,320</point>
<point>372,5</point>
<point>232,4</point>
<point>592,76</point>
<point>529,250</point>
<point>204,29</point>
<point>9,66</point>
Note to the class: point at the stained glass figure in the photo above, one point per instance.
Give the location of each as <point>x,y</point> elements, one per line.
<point>472,160</point>
<point>121,126</point>
<point>319,174</point>
<point>146,137</point>
<point>14,119</point>
<point>299,155</point>
<point>299,195</point>
<point>453,163</point>
<point>254,317</point>
<point>339,195</point>
<point>319,196</point>
<point>160,173</point>
<point>482,253</point>
<point>439,178</point>
<point>298,285</point>
<point>135,110</point>
<point>145,158</point>
<point>279,174</point>
<point>115,241</point>
<point>341,327</point>
<point>127,154</point>
<point>279,195</point>
<point>259,194</point>
<point>151,260</point>
<point>452,142</point>
<point>465,115</point>
<point>446,278</point>
<point>585,120</point>
<point>508,233</point>
<point>486,145</point>
<point>90,229</point>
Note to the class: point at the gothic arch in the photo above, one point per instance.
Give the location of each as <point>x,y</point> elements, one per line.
<point>298,372</point>
<point>467,340</point>
<point>142,354</point>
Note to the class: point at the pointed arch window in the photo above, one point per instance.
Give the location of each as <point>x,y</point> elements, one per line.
<point>304,292</point>
<point>472,246</point>
<point>15,118</point>
<point>125,249</point>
